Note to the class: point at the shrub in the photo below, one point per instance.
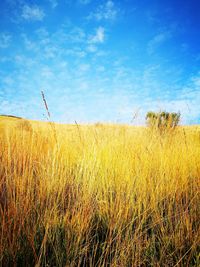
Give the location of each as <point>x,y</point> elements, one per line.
<point>163,120</point>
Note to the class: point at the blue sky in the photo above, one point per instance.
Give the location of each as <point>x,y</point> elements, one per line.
<point>108,61</point>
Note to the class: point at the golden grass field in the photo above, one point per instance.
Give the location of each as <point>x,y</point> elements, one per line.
<point>98,195</point>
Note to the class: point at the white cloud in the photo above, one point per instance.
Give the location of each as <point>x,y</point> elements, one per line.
<point>5,39</point>
<point>32,13</point>
<point>99,37</point>
<point>158,40</point>
<point>107,11</point>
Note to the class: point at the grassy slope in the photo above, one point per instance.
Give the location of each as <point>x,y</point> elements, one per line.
<point>98,195</point>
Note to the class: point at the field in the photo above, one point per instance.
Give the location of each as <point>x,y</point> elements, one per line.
<point>98,195</point>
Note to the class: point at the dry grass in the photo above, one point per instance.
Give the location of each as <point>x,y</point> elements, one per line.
<point>102,196</point>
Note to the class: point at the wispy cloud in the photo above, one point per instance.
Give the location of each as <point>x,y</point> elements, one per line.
<point>106,11</point>
<point>29,44</point>
<point>32,13</point>
<point>91,48</point>
<point>5,40</point>
<point>47,73</point>
<point>84,68</point>
<point>53,3</point>
<point>158,40</point>
<point>99,36</point>
<point>88,69</point>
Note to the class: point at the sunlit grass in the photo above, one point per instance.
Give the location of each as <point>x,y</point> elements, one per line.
<point>101,195</point>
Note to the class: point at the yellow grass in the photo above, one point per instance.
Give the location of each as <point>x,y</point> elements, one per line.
<point>101,195</point>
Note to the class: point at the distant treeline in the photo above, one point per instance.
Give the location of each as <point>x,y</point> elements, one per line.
<point>12,116</point>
